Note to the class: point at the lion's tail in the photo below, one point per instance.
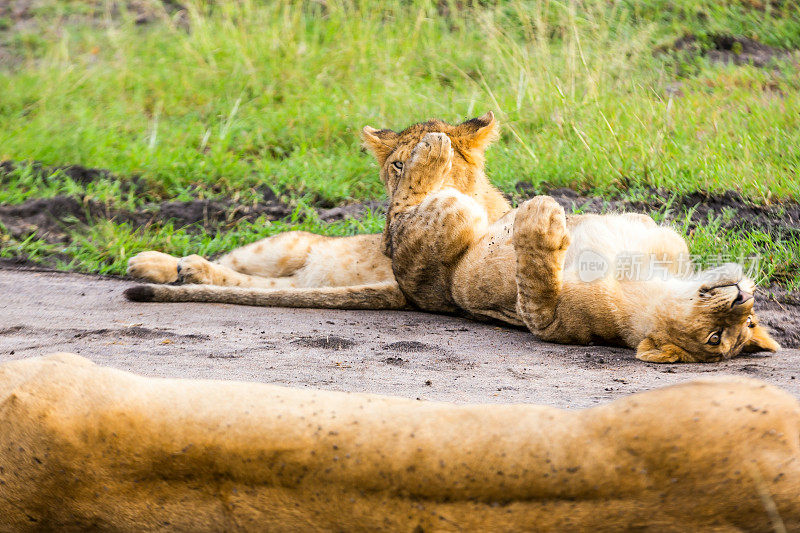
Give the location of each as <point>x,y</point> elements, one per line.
<point>385,295</point>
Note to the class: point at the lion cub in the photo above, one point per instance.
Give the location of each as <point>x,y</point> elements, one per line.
<point>452,244</point>
<point>345,272</point>
<point>529,267</point>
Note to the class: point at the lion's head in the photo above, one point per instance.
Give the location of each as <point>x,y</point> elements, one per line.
<point>469,141</point>
<point>467,144</point>
<point>712,321</point>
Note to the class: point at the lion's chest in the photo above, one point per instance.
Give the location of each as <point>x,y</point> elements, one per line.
<point>428,241</point>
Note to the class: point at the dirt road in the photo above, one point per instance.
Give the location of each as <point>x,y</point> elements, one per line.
<point>407,354</point>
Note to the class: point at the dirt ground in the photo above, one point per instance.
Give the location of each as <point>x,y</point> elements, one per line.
<point>409,354</point>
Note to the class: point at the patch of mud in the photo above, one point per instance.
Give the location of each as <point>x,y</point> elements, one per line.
<point>77,173</point>
<point>29,20</point>
<point>26,14</point>
<point>49,218</point>
<point>214,213</point>
<point>48,263</point>
<point>326,342</point>
<point>780,295</point>
<point>779,310</point>
<point>726,49</point>
<point>52,219</point>
<point>136,332</point>
<point>737,212</point>
<point>166,336</point>
<point>408,347</point>
<point>743,51</point>
<point>356,210</point>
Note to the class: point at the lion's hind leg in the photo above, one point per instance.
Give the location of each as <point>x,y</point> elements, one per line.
<point>267,263</point>
<point>667,253</point>
<point>156,267</point>
<point>195,269</point>
<point>270,263</point>
<point>540,239</point>
<point>279,256</point>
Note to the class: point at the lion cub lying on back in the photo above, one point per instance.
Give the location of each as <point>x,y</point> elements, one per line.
<point>528,268</point>
<point>451,251</point>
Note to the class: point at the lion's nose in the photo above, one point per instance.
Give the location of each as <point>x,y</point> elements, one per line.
<point>742,297</point>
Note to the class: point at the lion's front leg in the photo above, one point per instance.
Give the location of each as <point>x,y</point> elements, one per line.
<point>540,241</point>
<point>158,267</point>
<point>424,173</point>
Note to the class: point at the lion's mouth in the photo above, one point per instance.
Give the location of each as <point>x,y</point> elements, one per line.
<point>742,296</point>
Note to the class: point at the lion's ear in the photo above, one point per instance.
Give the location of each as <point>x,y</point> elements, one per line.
<point>380,142</point>
<point>761,341</point>
<point>477,133</point>
<point>665,353</point>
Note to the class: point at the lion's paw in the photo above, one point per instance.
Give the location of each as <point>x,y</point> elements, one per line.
<point>541,223</point>
<point>435,149</point>
<point>153,266</point>
<point>195,269</point>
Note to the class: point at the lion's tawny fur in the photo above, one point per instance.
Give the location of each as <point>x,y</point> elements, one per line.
<point>85,447</point>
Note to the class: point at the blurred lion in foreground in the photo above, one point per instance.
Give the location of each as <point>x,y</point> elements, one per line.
<point>89,448</point>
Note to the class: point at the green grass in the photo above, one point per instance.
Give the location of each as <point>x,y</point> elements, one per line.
<point>767,259</point>
<point>104,247</point>
<point>274,93</point>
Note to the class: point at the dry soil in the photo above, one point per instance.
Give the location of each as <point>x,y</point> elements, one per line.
<point>409,354</point>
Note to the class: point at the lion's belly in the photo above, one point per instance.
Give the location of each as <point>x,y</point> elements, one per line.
<point>485,281</point>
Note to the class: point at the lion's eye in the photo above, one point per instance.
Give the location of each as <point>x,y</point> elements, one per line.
<point>749,322</point>
<point>398,165</point>
<point>714,339</point>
